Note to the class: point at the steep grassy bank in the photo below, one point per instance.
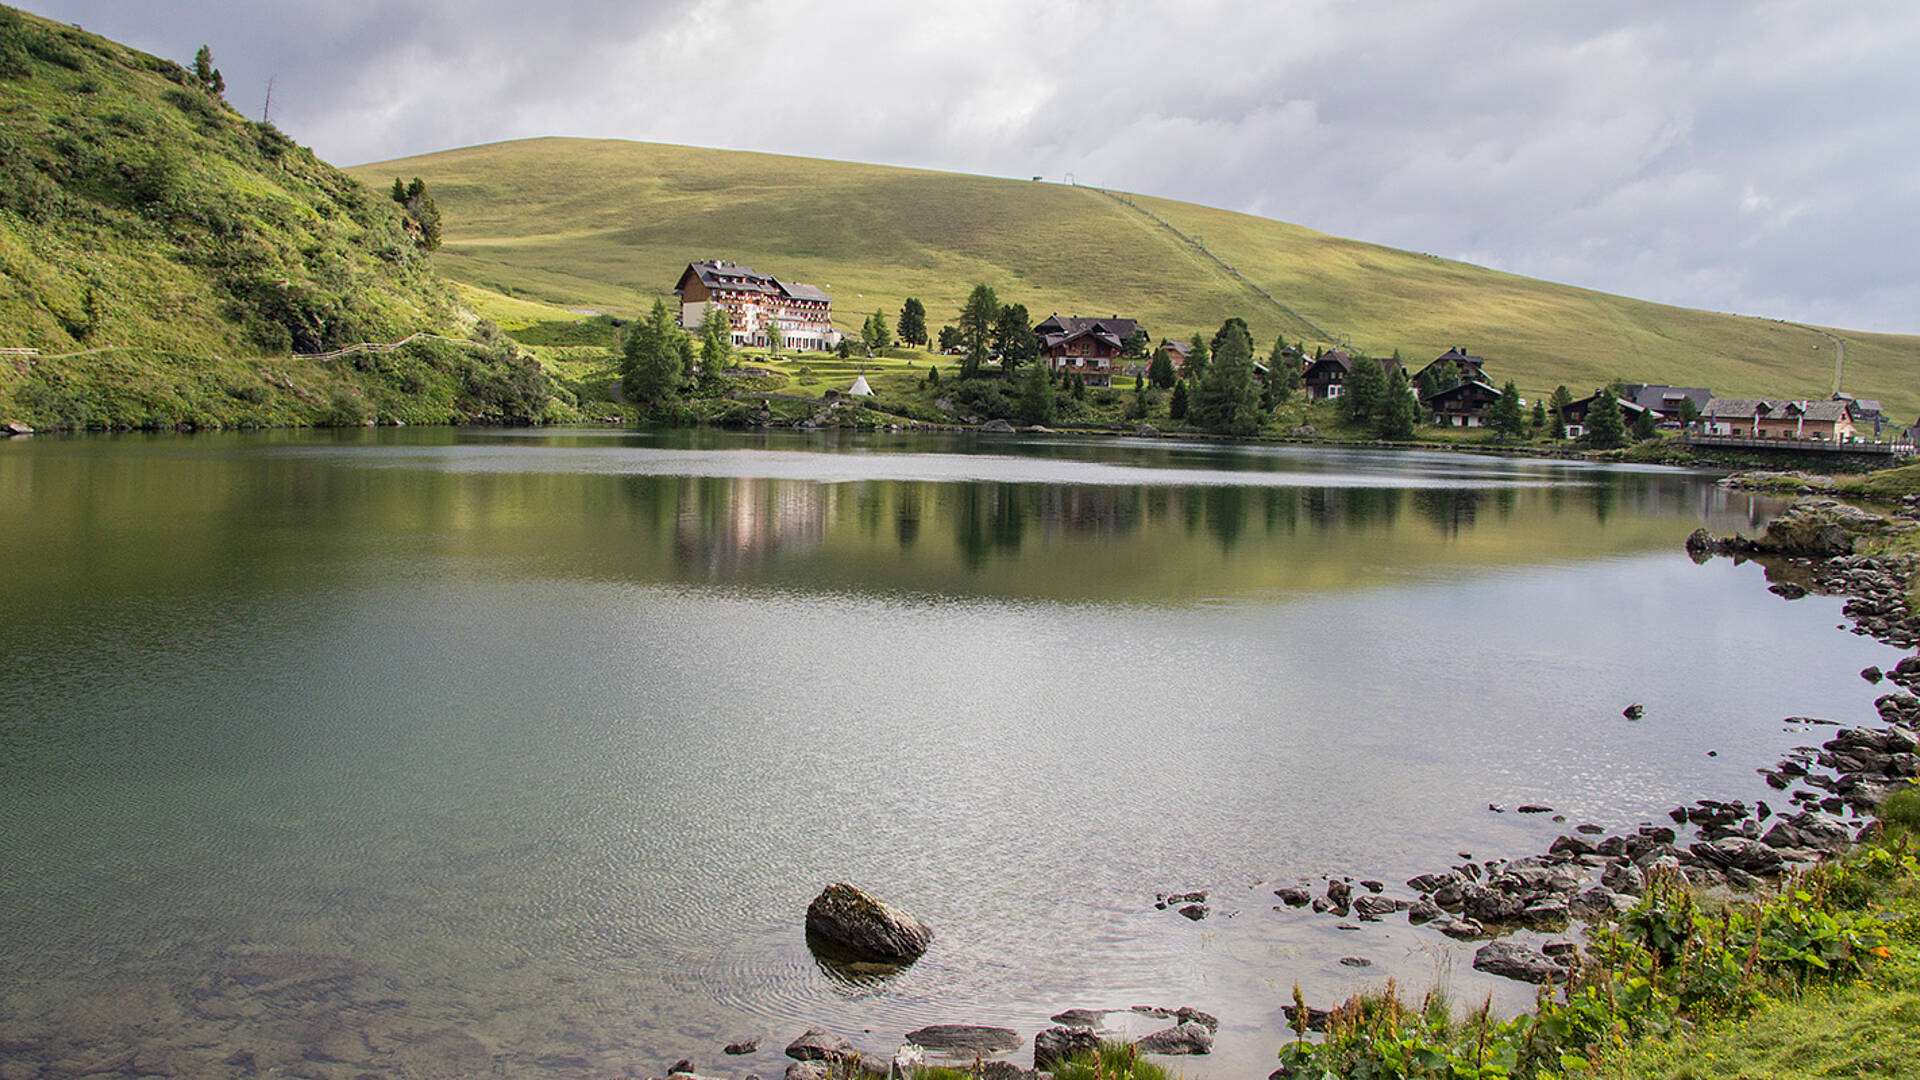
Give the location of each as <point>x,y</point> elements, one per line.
<point>610,225</point>
<point>163,260</point>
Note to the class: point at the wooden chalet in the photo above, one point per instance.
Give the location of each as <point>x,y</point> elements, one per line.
<point>1089,348</point>
<point>1759,418</point>
<point>1465,404</point>
<point>1178,355</point>
<point>756,304</point>
<point>1574,417</point>
<point>1326,374</point>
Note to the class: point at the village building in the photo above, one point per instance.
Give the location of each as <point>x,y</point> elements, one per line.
<point>1759,418</point>
<point>1867,414</point>
<point>1464,404</point>
<point>1178,355</point>
<point>1088,348</point>
<point>756,305</point>
<point>1327,374</point>
<point>1665,401</point>
<point>1574,416</point>
<point>1465,367</point>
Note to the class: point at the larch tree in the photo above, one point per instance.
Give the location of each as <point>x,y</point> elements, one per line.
<point>976,328</point>
<point>913,322</point>
<point>1225,400</point>
<point>650,373</point>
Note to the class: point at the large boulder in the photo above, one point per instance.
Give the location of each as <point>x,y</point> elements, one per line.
<point>1056,1044</point>
<point>866,925</point>
<point>1738,853</point>
<point>1516,961</point>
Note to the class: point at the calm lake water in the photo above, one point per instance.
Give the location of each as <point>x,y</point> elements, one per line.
<point>532,747</point>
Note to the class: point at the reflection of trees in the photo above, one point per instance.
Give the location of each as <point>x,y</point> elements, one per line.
<point>1602,493</point>
<point>987,517</point>
<point>1449,509</point>
<point>1226,513</point>
<point>906,515</point>
<point>1089,509</point>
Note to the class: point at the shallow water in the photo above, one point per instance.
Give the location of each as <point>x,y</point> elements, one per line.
<point>527,749</point>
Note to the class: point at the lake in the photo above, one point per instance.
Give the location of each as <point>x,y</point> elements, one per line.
<point>428,752</point>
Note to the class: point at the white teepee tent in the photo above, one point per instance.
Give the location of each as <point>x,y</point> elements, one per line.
<point>860,388</point>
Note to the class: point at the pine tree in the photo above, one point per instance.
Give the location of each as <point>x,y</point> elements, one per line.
<point>1393,415</point>
<point>1137,345</point>
<point>203,68</point>
<point>1644,425</point>
<point>1505,416</point>
<point>1177,407</point>
<point>1605,428</point>
<point>1160,369</point>
<point>650,360</point>
<point>1013,339</point>
<point>1036,403</point>
<point>716,346</point>
<point>1539,415</point>
<point>874,334</point>
<point>1224,399</point>
<point>913,322</point>
<point>976,328</point>
<point>1197,358</point>
<point>1558,403</point>
<point>1361,392</point>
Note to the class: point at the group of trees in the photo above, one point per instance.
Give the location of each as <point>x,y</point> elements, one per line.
<point>423,217</point>
<point>659,361</point>
<point>1385,404</point>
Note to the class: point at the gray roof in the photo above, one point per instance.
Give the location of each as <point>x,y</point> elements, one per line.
<point>803,292</point>
<point>1668,397</point>
<point>1747,408</point>
<point>1055,329</point>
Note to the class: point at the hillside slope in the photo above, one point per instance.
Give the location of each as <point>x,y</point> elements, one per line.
<point>167,259</point>
<point>610,224</point>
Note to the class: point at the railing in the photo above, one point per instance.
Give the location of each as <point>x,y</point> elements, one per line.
<point>1789,442</point>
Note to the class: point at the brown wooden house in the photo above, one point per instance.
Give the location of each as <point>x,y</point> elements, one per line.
<point>1089,348</point>
<point>1464,404</point>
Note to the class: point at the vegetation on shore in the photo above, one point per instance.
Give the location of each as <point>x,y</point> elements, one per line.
<point>166,262</point>
<point>1685,985</point>
<point>611,224</point>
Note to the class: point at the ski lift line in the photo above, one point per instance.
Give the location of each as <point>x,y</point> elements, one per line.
<point>1222,263</point>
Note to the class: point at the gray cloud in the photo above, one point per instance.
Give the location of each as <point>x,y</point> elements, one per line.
<point>1745,157</point>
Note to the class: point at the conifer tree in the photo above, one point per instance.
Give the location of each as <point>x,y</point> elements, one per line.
<point>913,322</point>
<point>1177,406</point>
<point>650,360</point>
<point>1505,416</point>
<point>1160,369</point>
<point>1361,393</point>
<point>1224,399</point>
<point>1393,415</point>
<point>976,328</point>
<point>1605,429</point>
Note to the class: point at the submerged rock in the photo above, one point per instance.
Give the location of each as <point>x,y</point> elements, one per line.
<point>1187,1037</point>
<point>866,925</point>
<point>965,1039</point>
<point>818,1044</point>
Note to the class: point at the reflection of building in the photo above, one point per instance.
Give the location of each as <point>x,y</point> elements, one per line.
<point>756,304</point>
<point>728,523</point>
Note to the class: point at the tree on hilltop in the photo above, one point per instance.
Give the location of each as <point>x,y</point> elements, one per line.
<point>205,75</point>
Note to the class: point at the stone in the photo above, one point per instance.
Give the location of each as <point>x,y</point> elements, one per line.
<point>1293,896</point>
<point>1634,711</point>
<point>1355,961</point>
<point>1739,853</point>
<point>1196,912</point>
<point>1187,1015</point>
<point>1198,896</point>
<point>1089,1018</point>
<point>1534,808</point>
<point>997,427</point>
<point>1600,904</point>
<point>818,1044</point>
<point>969,1039</point>
<point>742,1046</point>
<point>1338,891</point>
<point>866,925</point>
<point>1373,886</point>
<point>1427,883</point>
<point>1462,929</point>
<point>684,1065</point>
<point>1056,1044</point>
<point>1372,908</point>
<point>809,1070</point>
<point>1424,910</point>
<point>1622,876</point>
<point>1513,960</point>
<point>1559,949</point>
<point>1186,1037</point>
<point>1872,674</point>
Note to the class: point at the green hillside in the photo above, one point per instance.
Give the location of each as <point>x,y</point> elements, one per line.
<point>163,260</point>
<point>609,224</point>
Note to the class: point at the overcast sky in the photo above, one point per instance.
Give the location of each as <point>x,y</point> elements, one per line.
<point>1762,158</point>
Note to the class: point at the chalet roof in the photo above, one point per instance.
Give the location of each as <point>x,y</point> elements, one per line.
<point>1178,348</point>
<point>1748,408</point>
<point>1058,329</point>
<point>1649,396</point>
<point>1460,390</point>
<point>1458,357</point>
<point>803,292</point>
<point>720,274</point>
<point>1628,406</point>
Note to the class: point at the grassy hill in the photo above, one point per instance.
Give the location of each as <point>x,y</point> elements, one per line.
<point>609,224</point>
<point>167,259</point>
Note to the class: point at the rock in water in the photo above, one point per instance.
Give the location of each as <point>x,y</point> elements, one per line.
<point>818,1044</point>
<point>1634,711</point>
<point>867,925</point>
<point>965,1039</point>
<point>1056,1044</point>
<point>1516,961</point>
<point>1187,1037</point>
